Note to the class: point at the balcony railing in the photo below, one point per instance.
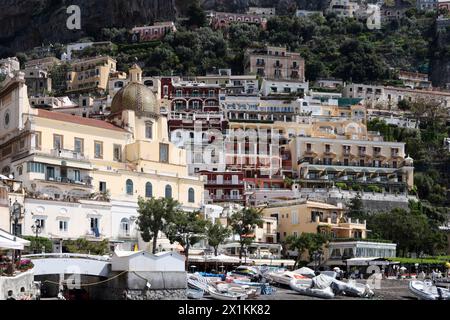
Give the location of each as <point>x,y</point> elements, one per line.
<point>82,183</point>
<point>67,154</point>
<point>225,182</point>
<point>354,164</point>
<point>196,95</point>
<point>225,197</point>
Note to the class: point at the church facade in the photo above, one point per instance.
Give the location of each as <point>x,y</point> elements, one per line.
<point>82,177</point>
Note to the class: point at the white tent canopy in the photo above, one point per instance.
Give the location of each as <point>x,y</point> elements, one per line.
<point>9,244</point>
<point>9,241</point>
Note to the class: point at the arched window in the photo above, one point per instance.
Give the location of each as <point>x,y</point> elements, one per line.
<point>129,187</point>
<point>148,190</point>
<point>125,227</point>
<point>168,192</point>
<point>191,195</point>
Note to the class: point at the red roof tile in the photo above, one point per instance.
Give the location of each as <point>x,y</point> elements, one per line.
<point>58,116</point>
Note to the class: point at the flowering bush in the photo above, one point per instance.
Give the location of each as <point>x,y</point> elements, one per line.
<point>25,264</point>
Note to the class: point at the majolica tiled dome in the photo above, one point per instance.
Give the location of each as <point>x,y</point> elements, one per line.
<point>135,96</point>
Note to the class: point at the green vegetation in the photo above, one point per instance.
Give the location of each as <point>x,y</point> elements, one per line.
<point>39,244</point>
<point>216,234</point>
<point>414,230</point>
<point>155,216</point>
<point>332,47</point>
<point>82,245</point>
<point>306,242</point>
<point>186,228</point>
<point>426,260</point>
<point>243,224</point>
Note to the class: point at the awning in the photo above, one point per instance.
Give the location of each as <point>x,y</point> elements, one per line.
<point>330,262</point>
<point>366,261</point>
<point>9,244</point>
<point>9,236</point>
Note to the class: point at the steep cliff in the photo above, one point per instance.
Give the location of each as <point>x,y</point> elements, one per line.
<point>28,23</point>
<point>282,6</point>
<point>440,59</point>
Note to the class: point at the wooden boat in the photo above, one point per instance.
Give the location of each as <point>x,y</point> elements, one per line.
<point>194,294</point>
<point>425,290</point>
<point>305,288</point>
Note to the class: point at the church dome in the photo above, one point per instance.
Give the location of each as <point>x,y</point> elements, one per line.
<point>135,96</point>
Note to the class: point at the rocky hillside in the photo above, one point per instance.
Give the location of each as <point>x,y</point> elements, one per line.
<point>282,5</point>
<point>28,23</point>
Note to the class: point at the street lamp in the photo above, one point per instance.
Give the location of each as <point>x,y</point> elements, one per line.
<point>16,215</point>
<point>37,229</point>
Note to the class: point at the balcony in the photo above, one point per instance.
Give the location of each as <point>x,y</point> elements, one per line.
<point>67,154</point>
<point>225,182</point>
<point>346,153</point>
<point>225,198</point>
<point>260,63</point>
<point>278,65</point>
<point>83,183</point>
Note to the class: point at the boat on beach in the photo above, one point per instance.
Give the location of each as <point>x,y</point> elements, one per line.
<point>353,289</point>
<point>285,277</point>
<point>226,295</point>
<point>305,288</point>
<point>194,293</point>
<point>426,290</point>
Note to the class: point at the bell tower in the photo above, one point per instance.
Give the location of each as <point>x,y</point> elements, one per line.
<point>135,74</point>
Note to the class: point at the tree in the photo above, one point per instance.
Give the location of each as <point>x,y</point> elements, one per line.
<point>186,228</point>
<point>39,244</point>
<point>216,234</point>
<point>154,217</point>
<point>243,223</point>
<point>356,207</point>
<point>411,230</point>
<point>196,15</point>
<point>82,245</point>
<point>310,242</point>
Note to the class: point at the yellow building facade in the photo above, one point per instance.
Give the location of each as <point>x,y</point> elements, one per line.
<point>90,74</point>
<point>301,216</point>
<point>82,177</point>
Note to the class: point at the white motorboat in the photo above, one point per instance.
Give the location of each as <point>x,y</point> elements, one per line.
<point>352,289</point>
<point>194,293</point>
<point>425,290</point>
<point>305,288</point>
<point>197,282</point>
<point>228,295</point>
<point>251,292</point>
<point>285,277</point>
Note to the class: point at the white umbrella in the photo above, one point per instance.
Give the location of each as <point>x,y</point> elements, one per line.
<point>403,268</point>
